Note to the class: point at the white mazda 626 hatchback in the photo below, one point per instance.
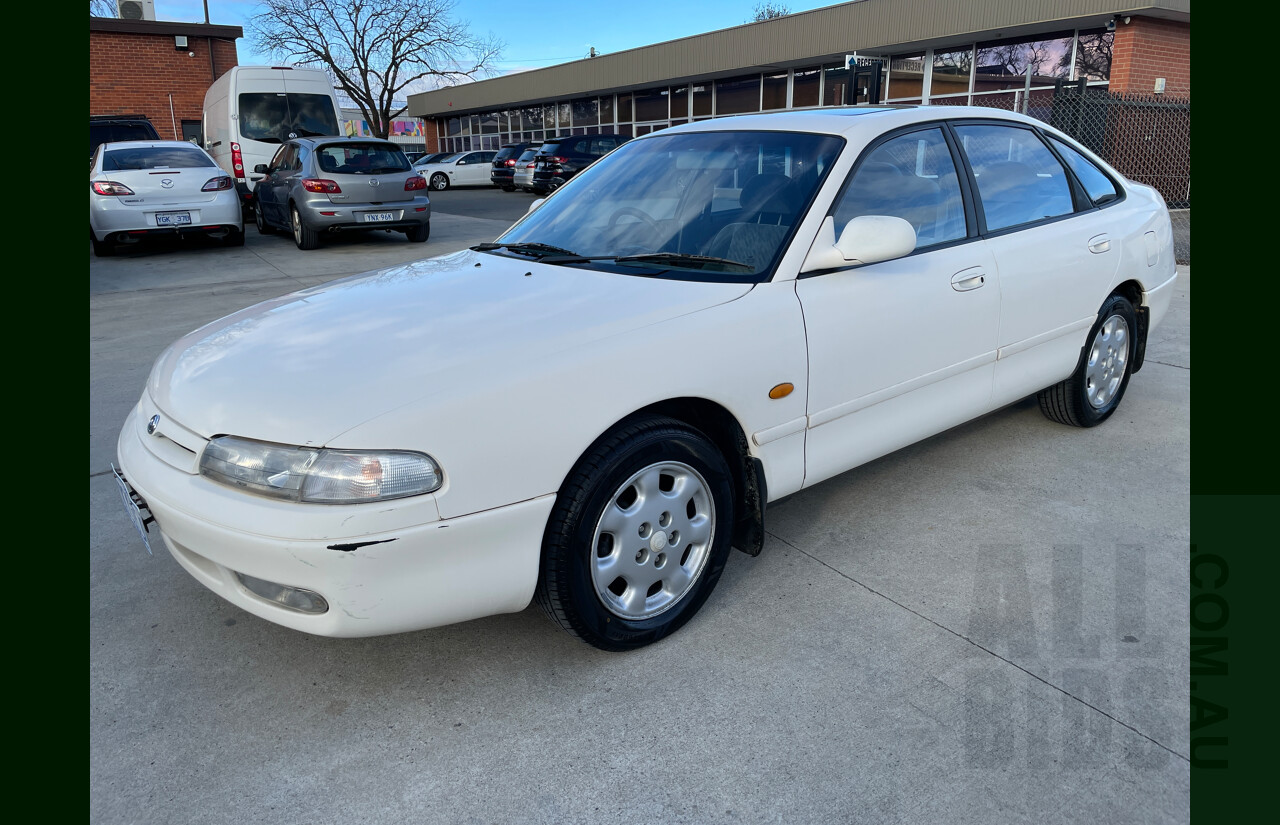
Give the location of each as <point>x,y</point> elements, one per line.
<point>593,409</point>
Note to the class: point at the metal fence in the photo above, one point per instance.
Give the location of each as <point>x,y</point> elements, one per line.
<point>1146,137</point>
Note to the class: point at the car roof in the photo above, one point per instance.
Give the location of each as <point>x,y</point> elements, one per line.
<point>312,141</point>
<point>849,121</point>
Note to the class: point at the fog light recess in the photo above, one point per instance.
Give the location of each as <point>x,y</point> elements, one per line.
<point>291,598</point>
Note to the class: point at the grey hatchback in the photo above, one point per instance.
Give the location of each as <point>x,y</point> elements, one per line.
<point>318,185</point>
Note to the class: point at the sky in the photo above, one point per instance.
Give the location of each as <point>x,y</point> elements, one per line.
<point>533,42</point>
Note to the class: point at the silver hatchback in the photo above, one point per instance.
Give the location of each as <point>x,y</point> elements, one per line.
<point>322,185</point>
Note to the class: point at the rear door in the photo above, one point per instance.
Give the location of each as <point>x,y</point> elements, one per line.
<point>1056,253</point>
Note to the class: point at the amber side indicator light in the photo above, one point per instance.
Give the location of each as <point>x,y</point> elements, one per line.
<point>781,391</point>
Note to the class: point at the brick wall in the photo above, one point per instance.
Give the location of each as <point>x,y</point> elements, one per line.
<point>136,73</point>
<point>1146,48</point>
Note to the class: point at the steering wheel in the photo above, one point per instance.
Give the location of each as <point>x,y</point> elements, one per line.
<point>635,213</point>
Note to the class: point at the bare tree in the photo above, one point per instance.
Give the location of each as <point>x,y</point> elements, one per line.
<point>375,50</point>
<point>102,8</point>
<point>768,10</point>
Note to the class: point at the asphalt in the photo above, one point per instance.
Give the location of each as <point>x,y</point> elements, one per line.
<point>989,626</point>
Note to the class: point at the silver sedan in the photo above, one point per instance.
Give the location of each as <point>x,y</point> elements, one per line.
<point>324,185</point>
<point>141,188</point>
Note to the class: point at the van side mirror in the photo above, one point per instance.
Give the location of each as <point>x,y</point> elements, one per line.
<point>261,169</point>
<point>868,239</point>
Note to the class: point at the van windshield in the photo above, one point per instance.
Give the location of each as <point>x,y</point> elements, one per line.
<point>274,117</point>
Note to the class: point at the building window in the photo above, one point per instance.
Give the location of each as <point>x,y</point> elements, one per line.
<point>625,113</point>
<point>680,102</point>
<point>1002,66</point>
<point>606,110</point>
<point>651,105</point>
<point>531,118</point>
<point>835,85</point>
<point>586,112</point>
<point>951,72</point>
<point>775,91</point>
<point>906,77</point>
<point>702,100</point>
<point>1093,54</point>
<point>738,95</point>
<point>806,87</point>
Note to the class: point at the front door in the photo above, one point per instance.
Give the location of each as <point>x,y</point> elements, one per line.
<point>901,349</point>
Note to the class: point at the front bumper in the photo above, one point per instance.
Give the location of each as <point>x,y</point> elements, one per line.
<point>387,567</point>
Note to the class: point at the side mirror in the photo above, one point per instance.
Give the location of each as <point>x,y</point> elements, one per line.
<point>868,239</point>
<point>535,205</point>
<point>261,169</point>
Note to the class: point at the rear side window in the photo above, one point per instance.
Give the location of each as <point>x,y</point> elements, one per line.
<point>910,177</point>
<point>155,157</point>
<point>274,117</point>
<point>1101,189</point>
<point>1019,179</point>
<point>361,158</point>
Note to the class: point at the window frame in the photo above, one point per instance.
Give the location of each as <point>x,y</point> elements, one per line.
<point>962,176</point>
<point>1121,192</point>
<point>1079,197</point>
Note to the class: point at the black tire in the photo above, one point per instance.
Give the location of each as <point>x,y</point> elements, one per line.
<point>304,236</point>
<point>234,238</point>
<point>419,233</point>
<point>101,249</point>
<point>1094,390</point>
<point>439,181</point>
<point>572,547</point>
<point>508,189</point>
<point>260,220</point>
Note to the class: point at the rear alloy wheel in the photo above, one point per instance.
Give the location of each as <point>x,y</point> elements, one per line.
<point>419,233</point>
<point>260,220</point>
<point>1094,390</point>
<point>304,236</point>
<point>639,535</point>
<point>439,181</point>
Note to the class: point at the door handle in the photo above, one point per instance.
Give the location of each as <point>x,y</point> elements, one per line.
<point>1099,244</point>
<point>967,279</point>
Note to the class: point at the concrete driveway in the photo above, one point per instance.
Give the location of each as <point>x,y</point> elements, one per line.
<point>989,626</point>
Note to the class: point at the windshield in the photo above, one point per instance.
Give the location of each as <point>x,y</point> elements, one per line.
<point>274,117</point>
<point>721,205</point>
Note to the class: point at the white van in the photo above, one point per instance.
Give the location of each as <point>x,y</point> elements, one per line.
<point>251,110</point>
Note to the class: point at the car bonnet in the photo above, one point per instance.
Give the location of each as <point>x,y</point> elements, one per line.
<point>306,367</point>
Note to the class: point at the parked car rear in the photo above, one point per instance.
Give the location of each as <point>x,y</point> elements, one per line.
<point>522,175</point>
<point>119,128</point>
<point>504,165</point>
<point>561,158</point>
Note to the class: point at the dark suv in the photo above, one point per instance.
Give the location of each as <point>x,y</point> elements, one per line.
<point>116,128</point>
<point>561,158</point>
<point>504,165</point>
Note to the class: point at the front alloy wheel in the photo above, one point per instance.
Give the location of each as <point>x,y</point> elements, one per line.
<point>639,535</point>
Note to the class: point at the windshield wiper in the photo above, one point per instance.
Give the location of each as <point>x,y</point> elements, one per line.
<point>538,250</point>
<point>681,259</point>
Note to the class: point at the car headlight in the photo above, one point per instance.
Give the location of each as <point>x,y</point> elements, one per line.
<point>318,475</point>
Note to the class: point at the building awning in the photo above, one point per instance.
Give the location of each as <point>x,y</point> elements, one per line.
<point>870,27</point>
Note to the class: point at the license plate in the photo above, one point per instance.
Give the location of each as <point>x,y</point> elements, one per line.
<point>172,218</point>
<point>376,217</point>
<point>133,506</point>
